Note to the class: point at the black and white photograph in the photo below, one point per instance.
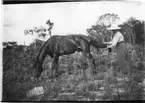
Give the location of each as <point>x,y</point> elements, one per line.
<point>73,51</point>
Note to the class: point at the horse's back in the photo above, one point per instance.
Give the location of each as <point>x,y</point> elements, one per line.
<point>60,39</point>
<point>69,36</point>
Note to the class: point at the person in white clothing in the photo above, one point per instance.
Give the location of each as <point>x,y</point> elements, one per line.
<point>122,54</point>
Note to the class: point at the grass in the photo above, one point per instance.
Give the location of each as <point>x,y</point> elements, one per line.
<point>70,85</point>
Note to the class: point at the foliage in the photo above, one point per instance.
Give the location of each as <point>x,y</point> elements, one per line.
<point>12,43</point>
<point>99,31</point>
<point>42,31</point>
<point>127,32</point>
<point>108,19</point>
<point>133,30</point>
<point>71,85</point>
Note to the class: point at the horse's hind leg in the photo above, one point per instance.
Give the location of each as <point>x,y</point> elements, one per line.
<point>52,69</point>
<point>89,67</point>
<point>92,59</point>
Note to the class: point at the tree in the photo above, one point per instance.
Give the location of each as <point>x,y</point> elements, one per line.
<point>133,31</point>
<point>108,19</point>
<point>98,32</point>
<point>131,21</point>
<point>127,31</point>
<point>40,32</point>
<point>50,24</point>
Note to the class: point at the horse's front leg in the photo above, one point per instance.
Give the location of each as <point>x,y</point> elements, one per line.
<point>52,68</point>
<point>55,66</point>
<point>56,59</point>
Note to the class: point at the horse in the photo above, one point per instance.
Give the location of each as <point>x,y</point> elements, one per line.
<point>58,45</point>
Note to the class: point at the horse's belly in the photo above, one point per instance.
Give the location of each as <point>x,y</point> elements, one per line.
<point>67,48</point>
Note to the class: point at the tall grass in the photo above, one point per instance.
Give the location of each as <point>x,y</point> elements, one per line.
<point>71,84</point>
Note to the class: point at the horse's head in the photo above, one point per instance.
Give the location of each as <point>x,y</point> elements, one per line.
<point>38,68</point>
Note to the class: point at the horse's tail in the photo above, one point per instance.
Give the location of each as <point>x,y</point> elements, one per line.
<point>97,44</point>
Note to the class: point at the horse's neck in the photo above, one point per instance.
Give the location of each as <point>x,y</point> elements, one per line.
<point>42,54</point>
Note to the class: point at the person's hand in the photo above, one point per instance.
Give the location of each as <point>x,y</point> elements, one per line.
<point>104,42</point>
<point>109,46</point>
<point>109,50</point>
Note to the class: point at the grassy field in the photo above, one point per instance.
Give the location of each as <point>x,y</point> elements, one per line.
<point>71,85</point>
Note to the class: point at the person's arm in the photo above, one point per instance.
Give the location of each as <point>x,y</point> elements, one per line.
<point>114,41</point>
<point>108,42</point>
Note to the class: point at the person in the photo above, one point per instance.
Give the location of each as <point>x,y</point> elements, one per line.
<point>121,49</point>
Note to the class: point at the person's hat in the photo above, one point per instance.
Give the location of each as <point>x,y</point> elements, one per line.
<point>114,27</point>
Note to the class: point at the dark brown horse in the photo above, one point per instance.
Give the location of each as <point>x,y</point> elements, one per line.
<point>63,45</point>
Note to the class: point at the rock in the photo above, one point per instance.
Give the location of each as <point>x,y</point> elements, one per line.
<point>142,84</point>
<point>120,90</point>
<point>99,93</point>
<point>101,88</point>
<point>35,92</point>
<point>80,86</point>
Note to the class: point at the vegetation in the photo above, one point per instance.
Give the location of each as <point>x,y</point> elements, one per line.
<point>105,85</point>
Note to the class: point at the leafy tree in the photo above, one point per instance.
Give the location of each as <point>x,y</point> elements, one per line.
<point>108,19</point>
<point>99,30</point>
<point>40,32</point>
<point>127,32</point>
<point>133,31</point>
<point>131,21</point>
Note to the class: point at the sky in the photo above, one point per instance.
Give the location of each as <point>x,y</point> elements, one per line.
<point>68,17</point>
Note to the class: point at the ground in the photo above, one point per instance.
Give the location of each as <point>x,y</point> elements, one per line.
<point>71,85</point>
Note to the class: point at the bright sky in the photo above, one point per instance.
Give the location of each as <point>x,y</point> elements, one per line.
<point>69,17</point>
